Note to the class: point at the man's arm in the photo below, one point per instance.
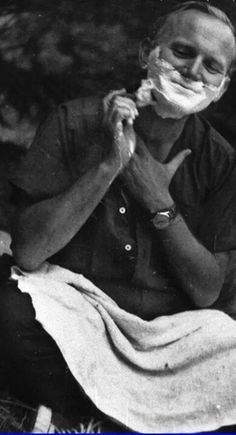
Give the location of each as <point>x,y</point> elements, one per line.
<point>195,269</point>
<point>199,273</point>
<point>46,227</point>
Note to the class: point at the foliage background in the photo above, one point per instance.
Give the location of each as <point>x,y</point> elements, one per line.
<point>52,51</point>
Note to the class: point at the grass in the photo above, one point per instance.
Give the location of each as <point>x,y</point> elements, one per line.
<point>19,417</point>
<point>14,417</point>
<point>9,421</point>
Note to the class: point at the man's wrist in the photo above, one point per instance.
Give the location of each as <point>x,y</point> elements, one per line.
<point>158,205</point>
<point>162,218</point>
<point>110,168</point>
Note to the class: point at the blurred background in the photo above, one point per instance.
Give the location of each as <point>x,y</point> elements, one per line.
<point>53,51</point>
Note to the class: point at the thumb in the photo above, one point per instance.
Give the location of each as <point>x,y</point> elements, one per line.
<point>174,164</point>
<point>130,137</point>
<point>118,131</point>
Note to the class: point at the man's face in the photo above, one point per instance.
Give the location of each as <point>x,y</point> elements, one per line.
<point>199,46</point>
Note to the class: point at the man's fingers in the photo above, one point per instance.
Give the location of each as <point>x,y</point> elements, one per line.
<point>111,95</point>
<point>121,108</point>
<point>118,131</point>
<point>117,100</point>
<point>123,114</point>
<point>118,108</point>
<point>122,105</point>
<point>174,164</point>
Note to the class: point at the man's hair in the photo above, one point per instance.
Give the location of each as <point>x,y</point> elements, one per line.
<point>197,5</point>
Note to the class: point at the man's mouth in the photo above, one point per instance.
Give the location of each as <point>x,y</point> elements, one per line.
<point>155,95</point>
<point>189,86</point>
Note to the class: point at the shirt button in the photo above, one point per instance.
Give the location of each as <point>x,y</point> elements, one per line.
<point>128,247</point>
<point>122,210</point>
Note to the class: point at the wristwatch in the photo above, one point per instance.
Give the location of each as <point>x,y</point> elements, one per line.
<point>162,218</point>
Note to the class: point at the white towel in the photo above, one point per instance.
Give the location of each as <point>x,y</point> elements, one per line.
<point>172,374</point>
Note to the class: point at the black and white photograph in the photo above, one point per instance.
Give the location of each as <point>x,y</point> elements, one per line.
<point>118,216</point>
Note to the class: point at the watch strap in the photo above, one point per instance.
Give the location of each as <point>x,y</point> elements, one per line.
<point>170,211</point>
<point>162,218</point>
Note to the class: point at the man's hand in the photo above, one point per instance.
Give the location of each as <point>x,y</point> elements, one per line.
<point>119,114</point>
<point>148,180</point>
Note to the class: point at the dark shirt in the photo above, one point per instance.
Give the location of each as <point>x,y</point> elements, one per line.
<point>117,248</point>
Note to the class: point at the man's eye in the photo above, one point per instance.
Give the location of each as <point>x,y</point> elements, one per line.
<point>212,68</point>
<point>179,52</point>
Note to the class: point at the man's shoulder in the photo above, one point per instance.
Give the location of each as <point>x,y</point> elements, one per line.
<point>84,107</point>
<point>206,133</point>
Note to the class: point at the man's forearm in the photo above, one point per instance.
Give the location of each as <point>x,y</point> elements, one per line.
<point>194,267</point>
<point>46,227</point>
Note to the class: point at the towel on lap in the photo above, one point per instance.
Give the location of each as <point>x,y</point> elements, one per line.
<point>172,374</point>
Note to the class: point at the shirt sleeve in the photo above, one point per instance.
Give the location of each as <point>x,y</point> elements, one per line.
<point>66,145</point>
<point>218,224</point>
<point>43,171</point>
<point>218,229</point>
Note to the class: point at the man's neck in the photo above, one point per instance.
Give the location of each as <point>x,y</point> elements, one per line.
<point>152,128</point>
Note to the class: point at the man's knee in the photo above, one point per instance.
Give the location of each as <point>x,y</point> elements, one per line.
<point>16,315</point>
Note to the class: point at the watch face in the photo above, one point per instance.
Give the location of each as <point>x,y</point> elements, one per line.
<point>161,221</point>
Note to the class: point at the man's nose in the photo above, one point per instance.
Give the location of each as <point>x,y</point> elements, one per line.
<point>193,69</point>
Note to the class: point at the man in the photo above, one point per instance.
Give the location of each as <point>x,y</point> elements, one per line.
<point>120,191</point>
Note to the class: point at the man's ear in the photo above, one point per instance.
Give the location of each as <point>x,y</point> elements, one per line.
<point>224,87</point>
<point>144,51</point>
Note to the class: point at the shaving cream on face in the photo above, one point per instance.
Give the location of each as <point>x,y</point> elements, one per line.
<point>173,95</point>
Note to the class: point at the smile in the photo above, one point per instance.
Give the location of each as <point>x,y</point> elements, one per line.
<point>186,86</point>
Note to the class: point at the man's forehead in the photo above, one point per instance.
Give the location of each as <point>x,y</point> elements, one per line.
<point>183,21</point>
<point>191,23</point>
